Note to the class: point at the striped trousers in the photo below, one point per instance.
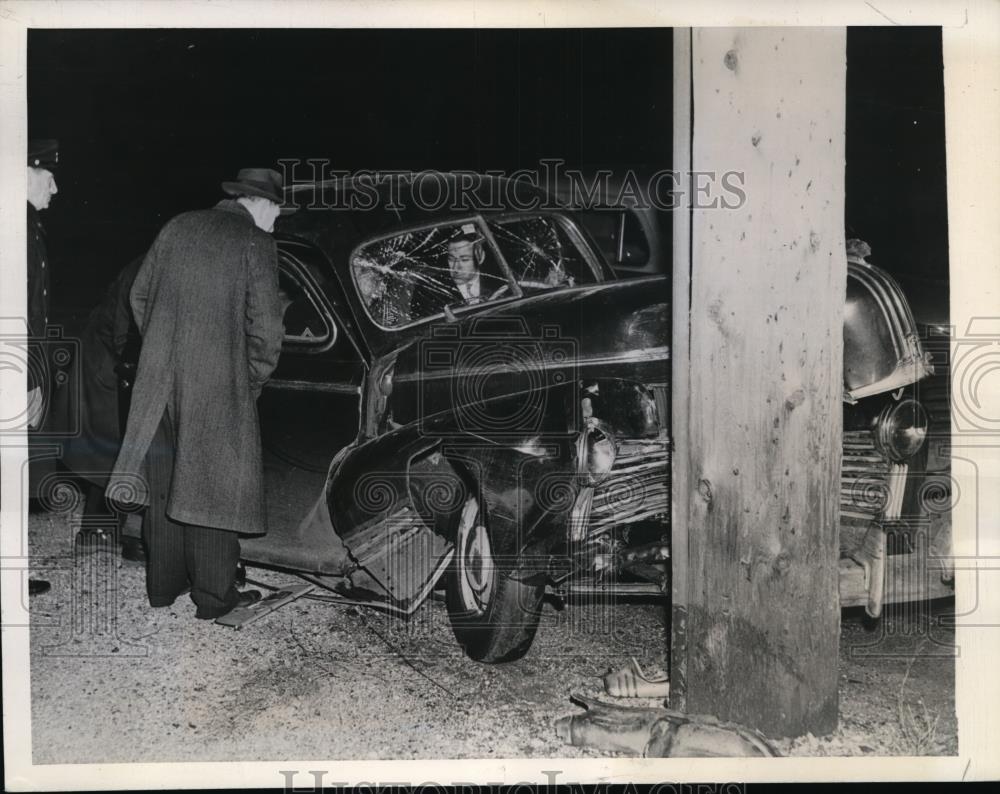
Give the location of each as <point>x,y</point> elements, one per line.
<point>180,557</point>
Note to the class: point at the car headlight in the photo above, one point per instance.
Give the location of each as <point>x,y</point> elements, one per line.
<point>597,454</point>
<point>901,430</point>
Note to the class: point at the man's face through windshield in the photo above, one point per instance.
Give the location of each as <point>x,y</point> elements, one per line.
<point>464,259</point>
<point>416,274</point>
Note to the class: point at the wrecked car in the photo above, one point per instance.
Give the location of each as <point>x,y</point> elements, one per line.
<point>502,441</point>
<point>505,433</point>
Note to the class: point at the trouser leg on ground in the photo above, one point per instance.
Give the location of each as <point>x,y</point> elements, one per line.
<point>212,556</point>
<point>166,569</point>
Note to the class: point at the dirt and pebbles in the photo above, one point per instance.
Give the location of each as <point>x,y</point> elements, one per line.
<point>113,680</point>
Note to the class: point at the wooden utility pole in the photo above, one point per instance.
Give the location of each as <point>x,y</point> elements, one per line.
<point>757,378</point>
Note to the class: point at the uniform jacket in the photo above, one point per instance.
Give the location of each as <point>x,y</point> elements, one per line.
<point>42,468</point>
<point>38,281</point>
<point>206,302</point>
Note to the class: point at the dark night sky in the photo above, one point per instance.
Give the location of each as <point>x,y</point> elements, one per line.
<point>896,188</point>
<point>151,121</point>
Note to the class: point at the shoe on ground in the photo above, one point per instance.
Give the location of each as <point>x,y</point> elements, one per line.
<point>247,597</point>
<point>631,682</point>
<point>38,586</point>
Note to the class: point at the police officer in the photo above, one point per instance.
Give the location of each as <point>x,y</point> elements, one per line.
<point>43,155</point>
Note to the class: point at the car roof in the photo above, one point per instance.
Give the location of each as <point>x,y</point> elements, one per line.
<point>337,215</point>
<point>367,205</point>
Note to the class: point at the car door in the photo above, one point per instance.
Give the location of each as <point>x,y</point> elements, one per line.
<point>309,411</point>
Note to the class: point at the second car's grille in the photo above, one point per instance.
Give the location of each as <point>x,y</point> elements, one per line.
<point>870,488</point>
<point>863,479</point>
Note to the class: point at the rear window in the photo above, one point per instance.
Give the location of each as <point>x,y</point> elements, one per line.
<point>618,235</point>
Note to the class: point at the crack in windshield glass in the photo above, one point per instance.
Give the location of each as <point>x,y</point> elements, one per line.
<point>418,274</point>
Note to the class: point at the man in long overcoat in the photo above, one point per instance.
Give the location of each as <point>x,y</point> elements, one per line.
<point>206,303</point>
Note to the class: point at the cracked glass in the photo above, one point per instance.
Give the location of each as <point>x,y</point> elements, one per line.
<point>426,272</point>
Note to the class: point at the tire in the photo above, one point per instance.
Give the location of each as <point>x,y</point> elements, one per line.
<point>494,616</point>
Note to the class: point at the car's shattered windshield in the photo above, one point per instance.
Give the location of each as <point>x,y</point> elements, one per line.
<point>418,274</point>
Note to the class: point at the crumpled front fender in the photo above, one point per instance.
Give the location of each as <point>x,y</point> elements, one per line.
<point>527,494</point>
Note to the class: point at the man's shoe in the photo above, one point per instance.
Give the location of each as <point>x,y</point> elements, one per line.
<point>39,586</point>
<point>247,597</point>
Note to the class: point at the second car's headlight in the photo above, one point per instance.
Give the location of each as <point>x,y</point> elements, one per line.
<point>901,430</point>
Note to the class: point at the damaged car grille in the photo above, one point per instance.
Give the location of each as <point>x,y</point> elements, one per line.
<point>638,486</point>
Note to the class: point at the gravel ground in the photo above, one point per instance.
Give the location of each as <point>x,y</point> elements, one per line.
<point>113,680</point>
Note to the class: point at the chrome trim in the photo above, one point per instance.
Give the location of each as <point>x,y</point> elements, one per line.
<point>660,353</point>
<point>897,488</point>
<point>308,385</point>
<point>579,519</point>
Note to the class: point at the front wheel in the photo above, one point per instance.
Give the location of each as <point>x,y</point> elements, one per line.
<point>494,616</point>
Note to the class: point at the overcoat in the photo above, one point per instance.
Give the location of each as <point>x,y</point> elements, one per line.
<point>94,408</point>
<point>207,306</point>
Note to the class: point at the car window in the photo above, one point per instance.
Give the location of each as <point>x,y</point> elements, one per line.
<point>619,235</point>
<point>304,323</point>
<point>540,253</point>
<point>411,276</point>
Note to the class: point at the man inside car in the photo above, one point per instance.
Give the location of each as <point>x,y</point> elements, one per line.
<point>465,283</point>
<point>466,254</point>
<point>465,257</point>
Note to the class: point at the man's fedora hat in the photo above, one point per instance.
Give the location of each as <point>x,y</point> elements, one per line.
<point>264,182</point>
<point>43,153</point>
